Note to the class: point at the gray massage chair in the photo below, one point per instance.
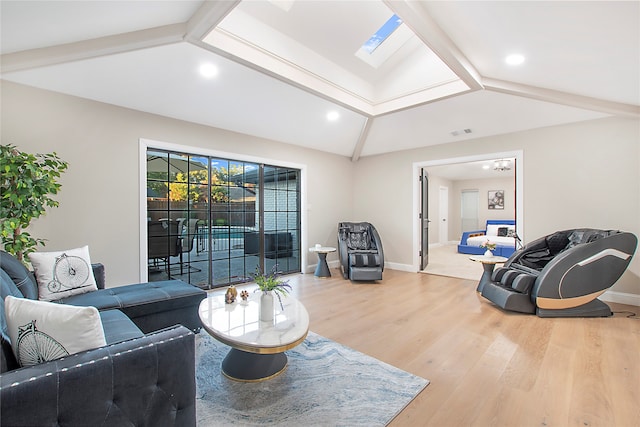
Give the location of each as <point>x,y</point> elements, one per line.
<point>562,274</point>
<point>360,250</point>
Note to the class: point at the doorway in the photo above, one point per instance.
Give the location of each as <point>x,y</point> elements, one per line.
<point>456,203</point>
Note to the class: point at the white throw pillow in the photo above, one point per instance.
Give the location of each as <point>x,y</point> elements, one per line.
<point>62,274</point>
<point>41,331</point>
<point>492,229</point>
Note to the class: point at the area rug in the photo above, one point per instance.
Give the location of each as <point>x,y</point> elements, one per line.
<point>325,384</point>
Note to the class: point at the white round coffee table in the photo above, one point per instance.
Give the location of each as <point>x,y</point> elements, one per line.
<point>257,347</point>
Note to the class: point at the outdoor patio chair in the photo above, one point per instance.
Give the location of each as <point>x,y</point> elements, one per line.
<point>164,241</point>
<point>187,244</point>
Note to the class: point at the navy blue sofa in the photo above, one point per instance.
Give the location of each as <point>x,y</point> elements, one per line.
<point>144,376</point>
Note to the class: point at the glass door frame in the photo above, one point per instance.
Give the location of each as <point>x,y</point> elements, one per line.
<point>147,144</point>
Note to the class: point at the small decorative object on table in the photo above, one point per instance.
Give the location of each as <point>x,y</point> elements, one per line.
<point>489,246</point>
<point>270,284</point>
<point>244,295</point>
<point>230,296</point>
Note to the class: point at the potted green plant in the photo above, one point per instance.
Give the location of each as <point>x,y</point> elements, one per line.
<point>269,284</point>
<point>27,182</point>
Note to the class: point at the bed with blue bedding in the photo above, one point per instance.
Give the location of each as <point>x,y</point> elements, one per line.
<point>502,232</point>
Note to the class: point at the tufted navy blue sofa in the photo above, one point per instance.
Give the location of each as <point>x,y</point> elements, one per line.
<point>144,376</point>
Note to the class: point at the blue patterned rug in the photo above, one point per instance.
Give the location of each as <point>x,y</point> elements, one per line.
<point>325,384</point>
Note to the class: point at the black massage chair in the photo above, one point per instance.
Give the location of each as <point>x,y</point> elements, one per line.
<point>360,250</point>
<point>562,274</point>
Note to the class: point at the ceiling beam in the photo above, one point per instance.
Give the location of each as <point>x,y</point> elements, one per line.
<point>416,17</point>
<point>564,98</point>
<point>207,17</point>
<point>362,139</point>
<point>199,25</point>
<point>93,48</point>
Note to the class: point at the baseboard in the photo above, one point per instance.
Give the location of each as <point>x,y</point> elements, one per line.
<point>400,267</point>
<point>621,298</point>
<point>390,265</point>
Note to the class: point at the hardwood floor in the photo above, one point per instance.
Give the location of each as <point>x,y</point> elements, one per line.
<point>487,367</point>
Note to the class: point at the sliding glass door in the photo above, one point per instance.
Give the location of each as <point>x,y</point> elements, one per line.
<point>213,221</point>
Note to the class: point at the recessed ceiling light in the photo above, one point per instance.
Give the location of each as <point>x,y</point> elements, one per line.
<point>208,70</point>
<point>515,59</point>
<point>332,116</point>
<point>485,167</point>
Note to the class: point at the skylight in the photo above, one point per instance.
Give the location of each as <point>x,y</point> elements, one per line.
<point>382,34</point>
<point>385,42</point>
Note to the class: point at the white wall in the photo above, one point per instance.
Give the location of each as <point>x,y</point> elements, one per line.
<point>99,200</point>
<point>578,175</point>
<point>483,186</point>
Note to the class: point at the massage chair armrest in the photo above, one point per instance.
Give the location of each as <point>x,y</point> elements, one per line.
<point>378,242</point>
<point>343,252</point>
<point>99,274</point>
<point>144,381</point>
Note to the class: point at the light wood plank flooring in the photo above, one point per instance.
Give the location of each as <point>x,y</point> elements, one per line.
<point>487,367</point>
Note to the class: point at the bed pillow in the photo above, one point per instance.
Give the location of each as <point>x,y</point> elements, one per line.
<point>494,229</point>
<point>41,331</point>
<point>62,274</point>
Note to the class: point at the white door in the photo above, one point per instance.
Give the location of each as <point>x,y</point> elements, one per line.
<point>469,210</point>
<point>443,217</point>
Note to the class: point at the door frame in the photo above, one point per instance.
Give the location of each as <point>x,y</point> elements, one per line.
<point>519,171</point>
<point>144,144</point>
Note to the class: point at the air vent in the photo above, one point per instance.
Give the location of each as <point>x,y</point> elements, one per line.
<point>460,132</point>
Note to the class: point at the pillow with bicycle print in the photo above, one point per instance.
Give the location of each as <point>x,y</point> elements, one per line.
<point>41,331</point>
<point>62,274</point>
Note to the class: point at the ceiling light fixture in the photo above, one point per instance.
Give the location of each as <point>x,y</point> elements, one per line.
<point>502,165</point>
<point>208,70</point>
<point>515,59</point>
<point>332,116</point>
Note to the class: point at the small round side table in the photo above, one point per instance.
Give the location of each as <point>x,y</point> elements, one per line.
<point>322,270</point>
<point>488,264</point>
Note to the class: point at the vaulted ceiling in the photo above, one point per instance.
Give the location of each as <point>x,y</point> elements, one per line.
<point>281,66</point>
